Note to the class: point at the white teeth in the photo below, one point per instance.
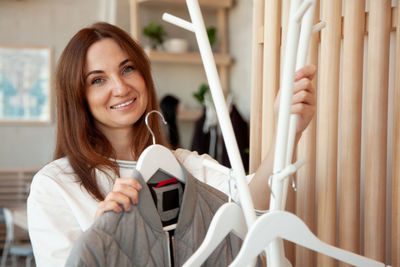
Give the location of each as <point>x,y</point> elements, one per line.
<point>123,104</point>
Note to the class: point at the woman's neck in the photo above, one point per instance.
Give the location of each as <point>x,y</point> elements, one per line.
<point>121,141</point>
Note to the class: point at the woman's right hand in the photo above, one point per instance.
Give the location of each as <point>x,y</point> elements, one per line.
<point>124,193</point>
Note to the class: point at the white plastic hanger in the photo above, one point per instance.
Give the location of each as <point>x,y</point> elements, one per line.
<point>228,218</point>
<point>282,224</point>
<point>158,157</point>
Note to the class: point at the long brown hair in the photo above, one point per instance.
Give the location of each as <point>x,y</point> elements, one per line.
<point>78,139</point>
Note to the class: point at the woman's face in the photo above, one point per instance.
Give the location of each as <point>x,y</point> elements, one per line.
<point>116,92</point>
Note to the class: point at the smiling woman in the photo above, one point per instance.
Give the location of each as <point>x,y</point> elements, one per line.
<point>103,88</point>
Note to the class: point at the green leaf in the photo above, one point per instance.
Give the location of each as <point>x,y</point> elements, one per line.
<point>212,34</point>
<point>199,95</point>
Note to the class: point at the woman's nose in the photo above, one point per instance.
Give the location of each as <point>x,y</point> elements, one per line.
<point>119,87</point>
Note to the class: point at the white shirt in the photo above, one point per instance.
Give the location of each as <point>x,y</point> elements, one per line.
<point>60,209</point>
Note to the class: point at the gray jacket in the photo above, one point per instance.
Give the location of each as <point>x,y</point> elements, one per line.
<point>136,238</point>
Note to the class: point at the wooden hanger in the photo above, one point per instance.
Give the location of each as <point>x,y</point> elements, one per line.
<point>158,157</point>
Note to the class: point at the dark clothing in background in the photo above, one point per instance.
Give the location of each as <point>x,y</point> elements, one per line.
<point>201,140</point>
<point>169,106</point>
<point>241,130</point>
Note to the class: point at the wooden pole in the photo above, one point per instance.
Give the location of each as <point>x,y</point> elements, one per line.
<point>305,201</point>
<point>284,21</point>
<point>396,153</point>
<point>376,128</point>
<point>223,70</point>
<point>256,86</point>
<point>327,121</point>
<point>222,30</point>
<point>134,19</point>
<point>272,35</point>
<point>350,130</point>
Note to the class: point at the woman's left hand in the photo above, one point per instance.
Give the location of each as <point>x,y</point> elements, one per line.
<point>304,97</point>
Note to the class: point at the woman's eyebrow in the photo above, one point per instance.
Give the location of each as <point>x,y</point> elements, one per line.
<point>93,72</point>
<point>100,71</point>
<point>123,62</point>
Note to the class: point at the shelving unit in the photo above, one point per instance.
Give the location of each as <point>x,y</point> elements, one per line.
<point>222,57</point>
<point>204,3</point>
<point>189,57</point>
<point>185,114</point>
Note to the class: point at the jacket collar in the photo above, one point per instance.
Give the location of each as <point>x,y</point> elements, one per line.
<point>148,209</point>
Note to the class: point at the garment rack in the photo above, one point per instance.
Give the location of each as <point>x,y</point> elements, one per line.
<point>299,32</point>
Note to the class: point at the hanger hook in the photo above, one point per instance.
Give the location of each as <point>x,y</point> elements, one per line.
<point>293,183</point>
<point>230,184</point>
<point>147,123</point>
<point>270,184</point>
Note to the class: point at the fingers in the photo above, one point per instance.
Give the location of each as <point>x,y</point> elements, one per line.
<point>124,197</point>
<point>130,182</point>
<point>303,84</point>
<point>303,110</point>
<point>307,71</point>
<point>107,206</point>
<point>304,94</point>
<point>304,97</point>
<point>124,193</point>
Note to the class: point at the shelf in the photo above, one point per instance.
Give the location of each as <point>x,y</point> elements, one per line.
<point>186,114</point>
<point>189,57</point>
<point>204,3</point>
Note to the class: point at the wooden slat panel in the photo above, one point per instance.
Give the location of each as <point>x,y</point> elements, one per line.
<point>305,202</point>
<point>366,21</point>
<point>256,87</point>
<point>396,154</point>
<point>392,21</point>
<point>271,52</point>
<point>327,121</point>
<point>272,32</point>
<point>350,131</point>
<point>376,129</point>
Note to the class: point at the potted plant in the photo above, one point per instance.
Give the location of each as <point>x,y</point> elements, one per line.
<point>155,32</point>
<point>212,34</point>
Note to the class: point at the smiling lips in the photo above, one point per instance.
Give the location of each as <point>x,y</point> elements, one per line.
<point>123,105</point>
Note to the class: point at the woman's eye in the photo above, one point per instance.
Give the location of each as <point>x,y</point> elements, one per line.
<point>128,69</point>
<point>97,81</point>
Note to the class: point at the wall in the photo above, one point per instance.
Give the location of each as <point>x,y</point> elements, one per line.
<point>53,22</point>
<point>46,23</point>
<point>240,38</point>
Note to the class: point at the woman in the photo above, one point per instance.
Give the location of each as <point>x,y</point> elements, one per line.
<point>104,89</point>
